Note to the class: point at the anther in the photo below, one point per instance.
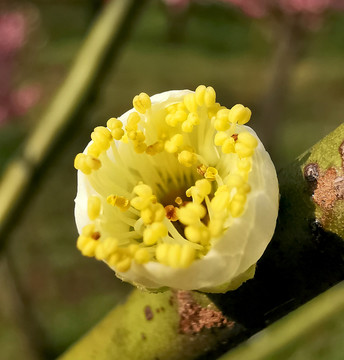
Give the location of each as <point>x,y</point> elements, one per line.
<point>142,103</point>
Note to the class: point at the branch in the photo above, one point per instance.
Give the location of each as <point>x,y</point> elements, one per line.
<point>105,37</point>
<point>304,258</point>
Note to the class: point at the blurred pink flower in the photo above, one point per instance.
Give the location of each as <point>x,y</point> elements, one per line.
<point>260,8</point>
<point>13,35</point>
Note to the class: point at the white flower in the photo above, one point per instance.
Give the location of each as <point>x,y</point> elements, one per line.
<point>178,193</point>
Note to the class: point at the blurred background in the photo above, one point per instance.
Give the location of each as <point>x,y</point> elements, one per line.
<point>284,59</point>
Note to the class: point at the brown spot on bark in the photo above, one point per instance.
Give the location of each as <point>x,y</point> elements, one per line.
<point>194,318</point>
<point>325,193</point>
<point>148,313</point>
<point>171,300</point>
<point>143,336</point>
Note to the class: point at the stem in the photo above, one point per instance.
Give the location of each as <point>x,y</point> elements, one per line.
<point>20,178</point>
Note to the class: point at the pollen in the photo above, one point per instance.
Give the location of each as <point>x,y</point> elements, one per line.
<point>168,179</point>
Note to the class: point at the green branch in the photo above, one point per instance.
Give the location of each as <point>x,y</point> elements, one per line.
<point>303,259</point>
<point>106,35</point>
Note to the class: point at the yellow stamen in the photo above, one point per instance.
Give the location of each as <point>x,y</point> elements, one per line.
<point>142,103</point>
<point>239,114</point>
<point>187,158</point>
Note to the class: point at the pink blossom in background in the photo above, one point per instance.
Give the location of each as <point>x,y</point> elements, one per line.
<point>260,8</point>
<point>13,35</point>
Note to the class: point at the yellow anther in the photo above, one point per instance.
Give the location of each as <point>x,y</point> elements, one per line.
<point>203,186</point>
<point>82,241</point>
<point>242,150</point>
<point>93,207</point>
<point>191,213</point>
<point>174,255</point>
<point>220,201</point>
<point>132,134</point>
<point>209,97</point>
<point>86,163</point>
<point>173,145</point>
<point>140,203</point>
<point>239,114</point>
<point>247,139</point>
<point>193,118</point>
<point>114,259</point>
<point>94,150</point>
<point>142,256</point>
<point>125,139</point>
<point>236,208</point>
<point>240,197</point>
<point>120,201</point>
<point>221,122</point>
<point>235,180</point>
<point>228,146</point>
<point>190,102</point>
<point>102,137</point>
<point>140,136</point>
<point>155,148</point>
<point>216,227</point>
<point>133,119</point>
<point>88,230</point>
<point>187,158</point>
<point>180,115</point>
<point>197,234</point>
<point>187,256</point>
<point>212,110</point>
<point>117,134</point>
<point>153,233</point>
<point>143,190</point>
<point>106,248</point>
<point>171,120</point>
<point>220,138</point>
<point>142,103</point>
<point>132,249</point>
<point>153,213</point>
<point>161,253</point>
<point>244,164</point>
<point>211,173</point>
<point>244,189</point>
<point>187,126</point>
<point>92,162</point>
<point>140,147</point>
<point>193,234</point>
<point>89,248</point>
<point>171,109</point>
<point>114,123</point>
<point>199,95</point>
<point>124,264</point>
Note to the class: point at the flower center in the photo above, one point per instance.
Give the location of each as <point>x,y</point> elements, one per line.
<point>167,183</point>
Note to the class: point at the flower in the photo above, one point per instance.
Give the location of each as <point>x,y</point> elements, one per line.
<point>177,192</point>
